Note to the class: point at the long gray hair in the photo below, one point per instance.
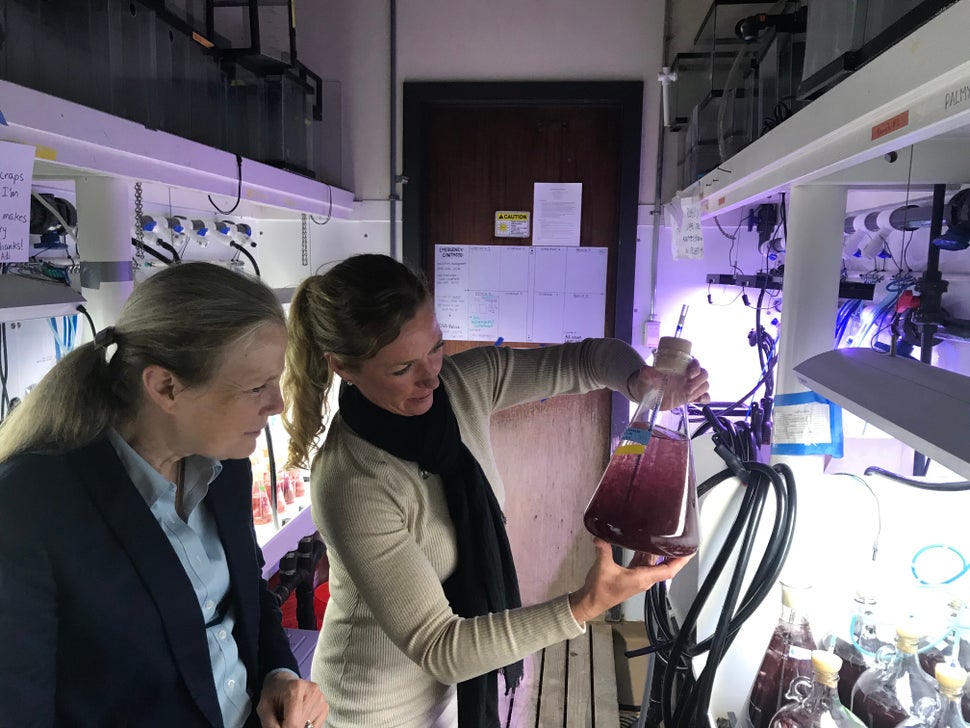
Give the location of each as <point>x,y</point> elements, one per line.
<point>183,318</point>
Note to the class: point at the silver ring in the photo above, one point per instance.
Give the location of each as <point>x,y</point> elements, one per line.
<point>308,724</point>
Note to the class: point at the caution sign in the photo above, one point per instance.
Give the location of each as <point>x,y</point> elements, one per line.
<point>511,224</point>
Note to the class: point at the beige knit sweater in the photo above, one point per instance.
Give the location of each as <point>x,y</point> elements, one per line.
<point>391,649</point>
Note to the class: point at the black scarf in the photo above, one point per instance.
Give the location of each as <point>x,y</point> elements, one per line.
<point>484,580</point>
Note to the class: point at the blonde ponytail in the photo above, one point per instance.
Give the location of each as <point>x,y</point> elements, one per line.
<point>350,312</point>
<point>307,380</point>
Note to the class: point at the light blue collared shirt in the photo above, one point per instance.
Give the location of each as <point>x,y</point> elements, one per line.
<point>197,545</point>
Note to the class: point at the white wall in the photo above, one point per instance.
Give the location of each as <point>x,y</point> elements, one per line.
<point>462,40</point>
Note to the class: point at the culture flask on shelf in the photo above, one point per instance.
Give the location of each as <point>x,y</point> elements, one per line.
<point>789,656</point>
<point>953,648</point>
<point>816,700</point>
<point>857,645</point>
<point>890,693</point>
<point>647,498</point>
<point>952,679</point>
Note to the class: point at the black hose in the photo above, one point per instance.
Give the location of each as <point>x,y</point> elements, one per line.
<point>673,651</point>
<point>94,331</point>
<point>171,249</point>
<point>241,249</point>
<point>151,251</point>
<point>942,487</point>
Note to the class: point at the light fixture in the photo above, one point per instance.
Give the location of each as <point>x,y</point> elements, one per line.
<point>923,406</point>
<point>23,298</point>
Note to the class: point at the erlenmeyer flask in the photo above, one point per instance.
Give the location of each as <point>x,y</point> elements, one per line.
<point>789,655</point>
<point>817,703</point>
<point>647,497</point>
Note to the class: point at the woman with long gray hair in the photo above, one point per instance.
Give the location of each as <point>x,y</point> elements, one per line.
<point>130,578</point>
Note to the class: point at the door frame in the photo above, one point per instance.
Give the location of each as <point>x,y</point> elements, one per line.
<point>625,96</point>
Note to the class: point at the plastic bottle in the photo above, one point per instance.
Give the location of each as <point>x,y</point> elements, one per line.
<point>299,489</point>
<point>261,508</point>
<point>888,694</point>
<point>284,478</point>
<point>789,655</point>
<point>857,646</point>
<point>953,648</point>
<point>817,703</point>
<point>647,497</point>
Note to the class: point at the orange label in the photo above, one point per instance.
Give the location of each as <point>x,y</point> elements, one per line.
<point>890,125</point>
<point>202,40</point>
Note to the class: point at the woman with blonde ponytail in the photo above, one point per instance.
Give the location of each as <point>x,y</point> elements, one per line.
<point>407,495</point>
<point>130,579</point>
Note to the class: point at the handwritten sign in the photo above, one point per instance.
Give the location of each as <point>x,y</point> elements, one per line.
<point>688,239</point>
<point>545,294</point>
<point>16,176</point>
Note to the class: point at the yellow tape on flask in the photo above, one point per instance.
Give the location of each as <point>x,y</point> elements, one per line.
<point>630,448</point>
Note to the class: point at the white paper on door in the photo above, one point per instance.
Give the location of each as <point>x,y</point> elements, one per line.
<point>548,294</point>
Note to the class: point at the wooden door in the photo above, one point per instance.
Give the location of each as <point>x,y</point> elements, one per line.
<point>482,151</point>
<point>550,453</point>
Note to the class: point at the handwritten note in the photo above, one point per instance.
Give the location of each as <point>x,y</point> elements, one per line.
<point>688,239</point>
<point>16,176</point>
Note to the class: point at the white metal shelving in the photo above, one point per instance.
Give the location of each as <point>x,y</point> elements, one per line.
<point>916,92</point>
<point>76,141</point>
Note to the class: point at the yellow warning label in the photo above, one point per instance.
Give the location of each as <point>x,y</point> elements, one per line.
<point>512,223</point>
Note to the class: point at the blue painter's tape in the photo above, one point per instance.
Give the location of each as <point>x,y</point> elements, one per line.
<point>636,434</point>
<point>3,119</point>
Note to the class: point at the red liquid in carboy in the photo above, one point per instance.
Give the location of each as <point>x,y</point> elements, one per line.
<point>640,498</point>
<point>777,671</point>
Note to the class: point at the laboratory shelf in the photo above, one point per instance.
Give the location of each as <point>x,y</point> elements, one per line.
<point>916,92</point>
<point>76,141</point>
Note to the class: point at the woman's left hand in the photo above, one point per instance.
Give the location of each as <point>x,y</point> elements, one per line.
<point>289,702</point>
<point>696,385</point>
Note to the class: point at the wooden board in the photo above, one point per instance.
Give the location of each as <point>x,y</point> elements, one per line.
<point>606,709</point>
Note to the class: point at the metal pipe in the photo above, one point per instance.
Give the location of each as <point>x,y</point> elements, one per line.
<point>658,179</point>
<point>931,287</point>
<point>392,196</point>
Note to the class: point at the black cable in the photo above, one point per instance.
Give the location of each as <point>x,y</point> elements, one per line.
<point>272,477</point>
<point>952,487</point>
<point>4,369</point>
<point>94,331</point>
<point>151,251</point>
<point>673,655</point>
<point>238,190</point>
<point>329,208</point>
<point>171,249</point>
<point>241,249</point>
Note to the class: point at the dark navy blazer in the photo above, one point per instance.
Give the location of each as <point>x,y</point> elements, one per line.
<point>99,624</point>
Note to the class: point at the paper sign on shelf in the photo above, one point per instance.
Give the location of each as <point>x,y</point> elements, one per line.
<point>16,177</point>
<point>688,238</point>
